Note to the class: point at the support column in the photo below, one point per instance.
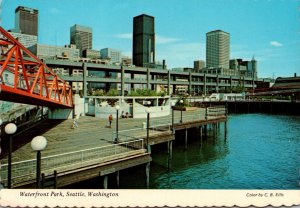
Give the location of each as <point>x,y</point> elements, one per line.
<point>204,84</point>
<point>118,178</point>
<point>132,78</point>
<point>55,179</point>
<point>148,175</point>
<point>205,131</point>
<point>122,81</point>
<point>230,80</point>
<point>200,132</point>
<point>169,82</point>
<point>186,138</point>
<point>225,130</point>
<point>190,83</point>
<point>85,73</point>
<point>217,83</point>
<point>148,79</point>
<point>105,182</point>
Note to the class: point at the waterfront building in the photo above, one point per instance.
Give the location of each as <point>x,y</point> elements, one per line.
<point>126,61</point>
<point>245,68</point>
<point>217,49</point>
<point>25,39</point>
<point>26,20</point>
<point>90,53</point>
<point>114,55</point>
<point>81,36</point>
<point>69,52</point>
<point>199,64</point>
<point>143,53</point>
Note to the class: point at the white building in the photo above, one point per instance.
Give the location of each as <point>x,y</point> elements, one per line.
<point>114,55</point>
<point>69,52</point>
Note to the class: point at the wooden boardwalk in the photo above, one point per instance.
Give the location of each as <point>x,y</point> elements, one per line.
<point>94,133</point>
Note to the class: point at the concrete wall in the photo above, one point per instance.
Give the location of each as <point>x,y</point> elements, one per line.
<point>139,111</point>
<point>103,110</point>
<point>60,113</point>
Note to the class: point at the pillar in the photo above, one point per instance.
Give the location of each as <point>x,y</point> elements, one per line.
<point>186,138</point>
<point>204,84</point>
<point>190,83</point>
<point>225,130</point>
<point>55,179</point>
<point>169,82</point>
<point>230,80</point>
<point>148,174</point>
<point>217,83</point>
<point>105,182</point>
<point>148,79</point>
<point>205,131</point>
<point>170,149</point>
<point>85,72</point>
<point>118,178</point>
<point>132,78</point>
<point>200,132</point>
<point>122,81</point>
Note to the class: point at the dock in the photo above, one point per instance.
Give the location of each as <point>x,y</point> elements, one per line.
<point>91,150</point>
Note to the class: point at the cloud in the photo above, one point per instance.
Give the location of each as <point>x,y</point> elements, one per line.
<point>276,44</point>
<point>54,10</point>
<point>124,36</point>
<point>158,39</point>
<point>163,40</point>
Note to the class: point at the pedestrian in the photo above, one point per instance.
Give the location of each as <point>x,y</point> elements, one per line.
<point>110,118</point>
<point>75,124</point>
<point>127,115</point>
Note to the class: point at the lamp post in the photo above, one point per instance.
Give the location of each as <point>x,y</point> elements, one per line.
<point>38,144</point>
<point>117,124</point>
<point>172,106</point>
<point>148,125</point>
<point>181,102</point>
<point>9,129</point>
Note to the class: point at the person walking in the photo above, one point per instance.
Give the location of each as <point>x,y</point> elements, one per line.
<point>110,119</point>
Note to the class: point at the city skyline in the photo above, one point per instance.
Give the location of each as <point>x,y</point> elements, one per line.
<point>267,30</point>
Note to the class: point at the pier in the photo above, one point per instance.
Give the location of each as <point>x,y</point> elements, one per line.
<point>91,150</point>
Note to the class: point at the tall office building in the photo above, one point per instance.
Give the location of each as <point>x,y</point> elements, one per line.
<point>217,49</point>
<point>81,36</point>
<point>143,53</point>
<point>114,55</point>
<point>26,20</point>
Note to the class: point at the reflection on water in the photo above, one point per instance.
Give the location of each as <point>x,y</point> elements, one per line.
<point>261,152</point>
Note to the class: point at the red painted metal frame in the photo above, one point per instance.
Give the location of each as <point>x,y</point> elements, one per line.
<point>33,80</point>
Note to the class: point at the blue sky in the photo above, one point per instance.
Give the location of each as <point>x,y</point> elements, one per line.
<point>266,29</point>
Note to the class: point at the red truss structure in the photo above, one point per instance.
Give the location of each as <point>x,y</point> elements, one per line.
<point>26,79</point>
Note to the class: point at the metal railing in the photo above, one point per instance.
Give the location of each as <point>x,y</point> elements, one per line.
<point>216,111</point>
<point>26,170</point>
<point>132,134</point>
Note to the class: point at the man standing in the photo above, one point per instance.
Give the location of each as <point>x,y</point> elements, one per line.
<point>110,118</point>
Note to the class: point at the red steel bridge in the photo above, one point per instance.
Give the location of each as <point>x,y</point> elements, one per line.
<point>26,79</point>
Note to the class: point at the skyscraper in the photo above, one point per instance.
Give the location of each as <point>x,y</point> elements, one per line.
<point>26,20</point>
<point>217,49</point>
<point>143,53</point>
<point>81,36</point>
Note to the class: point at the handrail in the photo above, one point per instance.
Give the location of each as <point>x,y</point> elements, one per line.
<point>24,170</point>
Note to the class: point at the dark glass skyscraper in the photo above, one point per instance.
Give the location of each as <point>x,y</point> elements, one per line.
<point>143,49</point>
<point>26,20</point>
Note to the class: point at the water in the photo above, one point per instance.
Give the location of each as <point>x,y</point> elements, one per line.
<point>261,152</point>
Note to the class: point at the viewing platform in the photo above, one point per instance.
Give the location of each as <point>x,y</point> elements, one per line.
<point>91,150</point>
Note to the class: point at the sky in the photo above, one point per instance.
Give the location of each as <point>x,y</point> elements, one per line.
<point>269,30</point>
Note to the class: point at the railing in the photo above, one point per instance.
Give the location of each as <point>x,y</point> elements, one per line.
<point>132,134</point>
<point>216,111</point>
<point>26,170</point>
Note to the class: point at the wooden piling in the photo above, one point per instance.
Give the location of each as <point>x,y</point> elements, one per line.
<point>118,178</point>
<point>186,138</point>
<point>105,179</point>
<point>148,175</point>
